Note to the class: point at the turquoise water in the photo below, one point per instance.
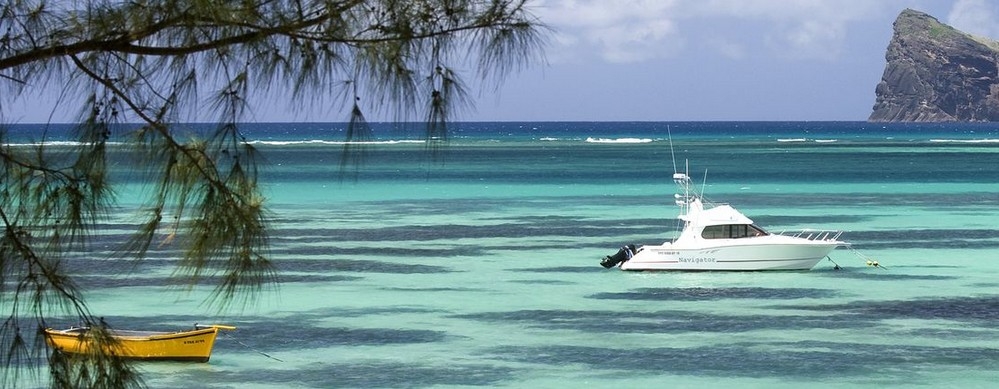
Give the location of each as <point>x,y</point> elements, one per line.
<point>483,269</point>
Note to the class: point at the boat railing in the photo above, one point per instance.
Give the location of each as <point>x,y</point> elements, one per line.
<point>816,235</point>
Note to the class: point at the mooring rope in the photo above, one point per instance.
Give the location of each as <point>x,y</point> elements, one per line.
<point>251,348</point>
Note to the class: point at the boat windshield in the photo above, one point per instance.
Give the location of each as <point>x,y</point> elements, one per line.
<point>732,231</point>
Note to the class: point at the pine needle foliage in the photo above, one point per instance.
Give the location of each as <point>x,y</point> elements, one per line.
<point>148,65</point>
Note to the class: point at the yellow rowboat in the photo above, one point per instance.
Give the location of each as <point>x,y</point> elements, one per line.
<point>191,346</point>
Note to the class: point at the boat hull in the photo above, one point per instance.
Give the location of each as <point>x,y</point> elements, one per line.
<point>737,257</point>
<point>187,346</point>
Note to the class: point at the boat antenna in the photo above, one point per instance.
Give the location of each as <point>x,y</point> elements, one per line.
<point>669,135</point>
<point>704,184</point>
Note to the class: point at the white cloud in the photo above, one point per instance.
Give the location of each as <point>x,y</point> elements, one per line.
<point>601,12</point>
<point>727,48</point>
<point>809,39</point>
<point>616,30</point>
<point>632,43</point>
<point>637,30</point>
<point>977,17</point>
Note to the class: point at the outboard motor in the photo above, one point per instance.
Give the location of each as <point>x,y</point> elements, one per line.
<point>622,256</point>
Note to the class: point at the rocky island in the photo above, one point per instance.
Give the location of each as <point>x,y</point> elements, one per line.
<point>936,73</point>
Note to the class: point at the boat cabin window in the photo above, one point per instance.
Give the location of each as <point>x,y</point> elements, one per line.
<point>732,231</point>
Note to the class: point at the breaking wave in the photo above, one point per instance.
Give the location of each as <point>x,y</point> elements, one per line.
<point>618,140</point>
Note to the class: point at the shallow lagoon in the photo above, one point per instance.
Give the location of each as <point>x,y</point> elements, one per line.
<point>483,270</point>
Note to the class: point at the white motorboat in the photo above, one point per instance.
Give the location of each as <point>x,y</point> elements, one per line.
<point>719,237</point>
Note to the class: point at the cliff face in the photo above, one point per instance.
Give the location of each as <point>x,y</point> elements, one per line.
<point>936,73</point>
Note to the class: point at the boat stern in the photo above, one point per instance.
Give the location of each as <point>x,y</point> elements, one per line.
<point>623,255</point>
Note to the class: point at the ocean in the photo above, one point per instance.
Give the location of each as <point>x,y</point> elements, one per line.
<point>478,265</point>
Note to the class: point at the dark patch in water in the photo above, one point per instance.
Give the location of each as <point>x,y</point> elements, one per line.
<point>282,336</point>
<point>702,294</point>
<point>105,282</point>
<point>663,321</point>
<point>326,313</point>
<point>542,282</point>
<point>433,289</point>
<point>978,309</point>
<point>926,238</point>
<point>86,282</point>
<point>559,269</point>
<point>794,360</point>
<point>352,265</point>
<point>949,334</point>
<point>569,245</point>
<point>85,265</point>
<point>541,219</point>
<point>366,374</point>
<point>296,248</point>
<point>289,278</point>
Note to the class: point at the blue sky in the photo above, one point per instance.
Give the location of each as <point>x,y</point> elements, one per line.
<point>678,60</point>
